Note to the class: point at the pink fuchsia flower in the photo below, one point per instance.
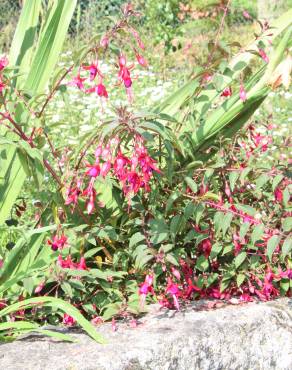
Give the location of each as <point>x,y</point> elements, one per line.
<point>93,170</point>
<point>105,168</point>
<point>227,91</point>
<point>104,41</point>
<point>278,194</point>
<point>39,288</point>
<point>114,325</point>
<point>68,320</point>
<point>1,263</point>
<point>191,288</point>
<point>246,14</point>
<point>242,93</point>
<point>67,263</point>
<point>58,242</point>
<point>245,297</point>
<point>175,273</point>
<point>78,82</point>
<point>173,289</point>
<point>90,204</point>
<point>100,90</point>
<point>141,60</point>
<point>93,70</point>
<point>3,62</point>
<point>263,55</point>
<point>138,39</point>
<point>82,264</point>
<point>133,323</point>
<point>97,320</point>
<point>120,166</point>
<point>205,247</point>
<point>145,289</point>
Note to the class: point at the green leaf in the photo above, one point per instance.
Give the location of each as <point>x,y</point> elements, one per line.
<point>135,239</point>
<point>191,184</point>
<point>287,224</point>
<point>257,233</point>
<point>226,222</point>
<point>273,242</point>
<point>176,224</point>
<point>216,249</point>
<point>239,259</point>
<point>159,230</point>
<point>244,229</point>
<point>50,45</point>
<point>202,263</point>
<point>287,246</point>
<point>23,41</point>
<point>240,279</point>
<point>276,181</point>
<point>233,177</point>
<point>59,305</point>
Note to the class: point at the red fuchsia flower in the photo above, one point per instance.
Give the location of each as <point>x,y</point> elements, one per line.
<point>173,289</point>
<point>125,76</point>
<point>104,41</point>
<point>278,194</point>
<point>227,91</point>
<point>39,288</point>
<point>285,274</point>
<point>263,55</point>
<point>68,320</point>
<point>82,264</point>
<point>133,323</point>
<point>105,168</point>
<point>205,247</point>
<point>141,60</point>
<point>100,90</point>
<point>114,325</point>
<point>67,263</point>
<point>145,289</point>
<point>1,263</point>
<point>246,14</point>
<point>93,70</point>
<point>175,273</point>
<point>242,93</point>
<point>78,82</point>
<point>90,204</point>
<point>191,288</point>
<point>138,39</point>
<point>3,62</point>
<point>93,170</point>
<point>97,320</point>
<point>245,297</point>
<point>120,166</point>
<point>58,242</point>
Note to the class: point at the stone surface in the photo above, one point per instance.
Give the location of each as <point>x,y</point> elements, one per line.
<point>252,336</point>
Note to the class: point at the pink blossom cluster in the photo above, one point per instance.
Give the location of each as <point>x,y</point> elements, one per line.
<point>124,69</point>
<point>133,169</point>
<point>181,286</point>
<point>57,242</point>
<point>67,263</point>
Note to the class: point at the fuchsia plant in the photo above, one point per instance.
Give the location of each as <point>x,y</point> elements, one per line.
<point>180,227</point>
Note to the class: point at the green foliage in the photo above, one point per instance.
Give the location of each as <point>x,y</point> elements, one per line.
<point>215,219</point>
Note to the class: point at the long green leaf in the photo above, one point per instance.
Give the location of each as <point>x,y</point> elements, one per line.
<point>50,45</point>
<point>60,305</point>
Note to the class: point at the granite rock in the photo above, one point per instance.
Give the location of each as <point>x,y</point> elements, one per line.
<point>238,337</point>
